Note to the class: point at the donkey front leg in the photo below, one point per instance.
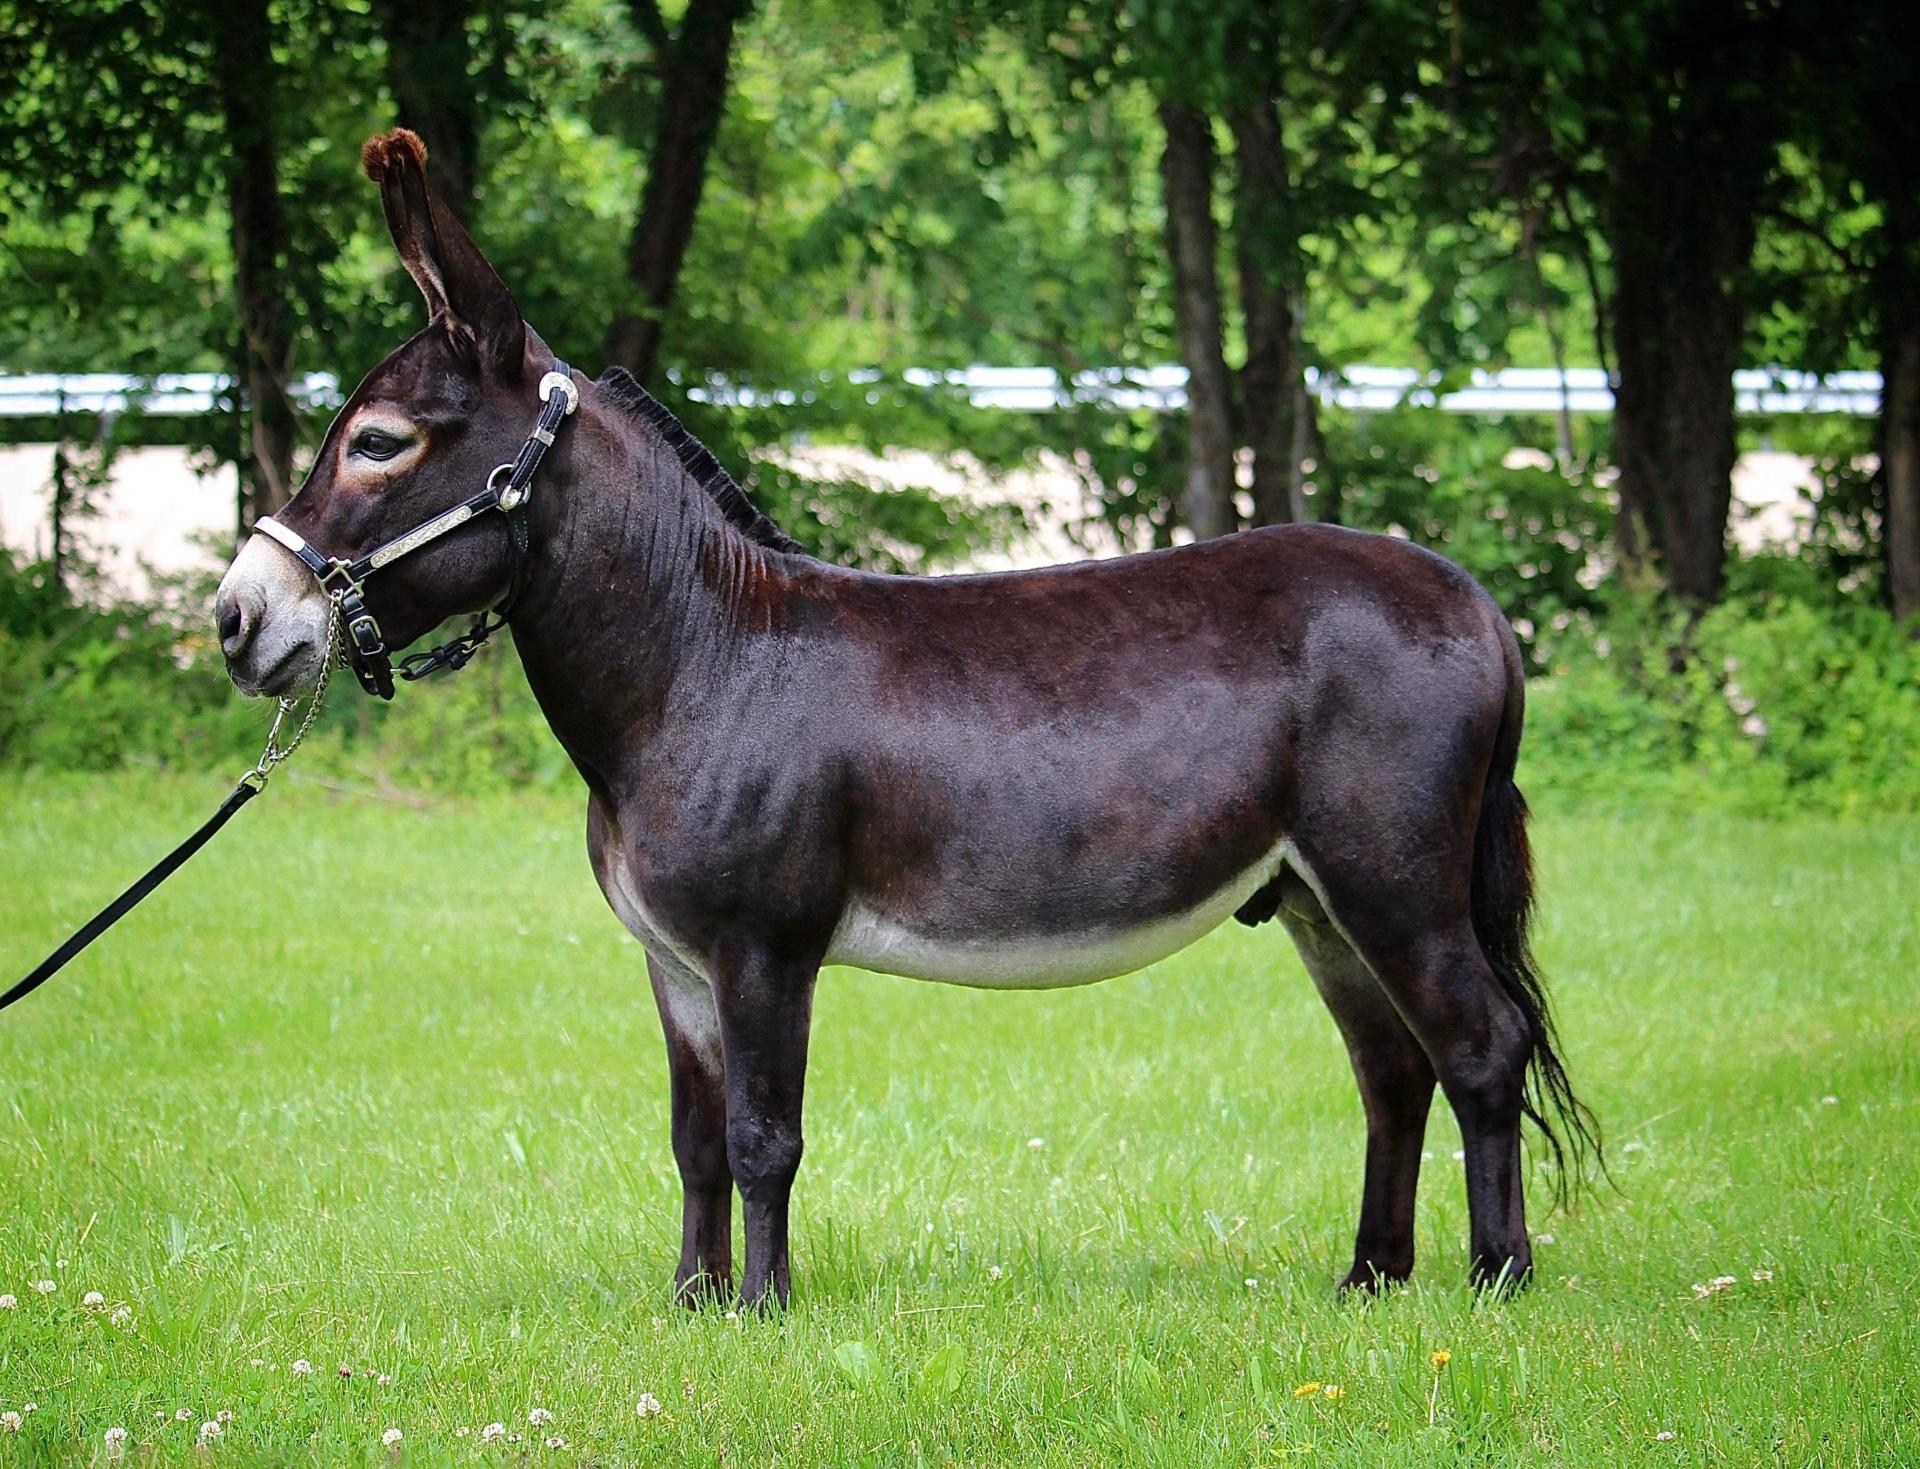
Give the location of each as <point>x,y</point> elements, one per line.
<point>698,1081</point>
<point>766,1009</point>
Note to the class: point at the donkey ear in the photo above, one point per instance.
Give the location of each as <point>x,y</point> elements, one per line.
<point>461,288</point>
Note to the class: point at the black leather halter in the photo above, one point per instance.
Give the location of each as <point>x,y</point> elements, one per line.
<point>363,644</point>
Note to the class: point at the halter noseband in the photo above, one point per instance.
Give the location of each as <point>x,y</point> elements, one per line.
<point>363,644</point>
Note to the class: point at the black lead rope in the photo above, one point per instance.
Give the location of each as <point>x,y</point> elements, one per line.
<point>127,901</point>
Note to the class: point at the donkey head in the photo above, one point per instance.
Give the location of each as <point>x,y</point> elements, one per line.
<point>421,432</point>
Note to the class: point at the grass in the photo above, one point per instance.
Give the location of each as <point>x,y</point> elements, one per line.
<point>382,1087</point>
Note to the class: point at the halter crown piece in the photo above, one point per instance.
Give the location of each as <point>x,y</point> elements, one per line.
<point>508,489</point>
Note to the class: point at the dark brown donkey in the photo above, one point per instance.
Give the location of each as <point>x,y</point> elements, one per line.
<point>1020,780</point>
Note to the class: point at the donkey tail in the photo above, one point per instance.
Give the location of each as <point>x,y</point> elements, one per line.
<point>1502,914</point>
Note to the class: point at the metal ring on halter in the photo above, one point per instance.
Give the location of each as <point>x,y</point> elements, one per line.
<point>509,498</point>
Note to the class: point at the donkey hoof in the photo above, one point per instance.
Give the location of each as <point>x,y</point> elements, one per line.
<point>1372,1280</point>
<point>1502,1275</point>
<point>698,1289</point>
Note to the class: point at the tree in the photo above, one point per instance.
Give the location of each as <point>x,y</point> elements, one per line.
<point>245,84</point>
<point>430,73</point>
<point>693,60</point>
<point>1663,117</point>
<point>1186,172</point>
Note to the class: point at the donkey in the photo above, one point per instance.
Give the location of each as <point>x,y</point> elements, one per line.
<point>1019,780</point>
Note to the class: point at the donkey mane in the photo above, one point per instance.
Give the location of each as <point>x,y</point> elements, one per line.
<point>623,390</point>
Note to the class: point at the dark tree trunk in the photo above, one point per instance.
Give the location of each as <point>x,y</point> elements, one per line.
<point>694,62</point>
<point>1186,172</point>
<point>430,73</point>
<point>247,83</point>
<point>1682,237</point>
<point>1900,462</point>
<point>1264,251</point>
<point>1679,211</point>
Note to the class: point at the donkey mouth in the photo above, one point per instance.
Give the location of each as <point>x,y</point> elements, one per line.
<point>281,677</point>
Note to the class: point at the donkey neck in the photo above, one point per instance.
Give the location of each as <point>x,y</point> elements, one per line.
<point>639,586</point>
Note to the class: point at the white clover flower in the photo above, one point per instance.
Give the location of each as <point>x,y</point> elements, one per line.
<point>1829,1101</point>
<point>391,1437</point>
<point>493,1432</point>
<point>1721,1282</point>
<point>122,1316</point>
<point>183,1415</point>
<point>160,1415</point>
<point>994,1272</point>
<point>1763,1275</point>
<point>1252,1282</point>
<point>462,1431</point>
<point>345,1371</point>
<point>225,1415</point>
<point>1665,1435</point>
<point>210,1430</point>
<point>45,1287</point>
<point>9,1302</point>
<point>29,1407</point>
<point>648,1406</point>
<point>385,1379</point>
<point>116,1439</point>
<point>556,1442</point>
<point>59,1264</point>
<point>10,1422</point>
<point>1035,1144</point>
<point>538,1416</point>
<point>93,1301</point>
<point>303,1368</point>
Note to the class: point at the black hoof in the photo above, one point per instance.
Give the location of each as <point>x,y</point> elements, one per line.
<point>1371,1280</point>
<point>699,1290</point>
<point>1502,1277</point>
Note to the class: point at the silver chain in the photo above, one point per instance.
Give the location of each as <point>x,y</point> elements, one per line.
<point>275,752</point>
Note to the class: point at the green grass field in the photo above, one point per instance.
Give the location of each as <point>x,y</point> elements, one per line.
<point>382,1088</point>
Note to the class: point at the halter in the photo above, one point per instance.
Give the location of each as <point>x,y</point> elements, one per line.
<point>362,643</point>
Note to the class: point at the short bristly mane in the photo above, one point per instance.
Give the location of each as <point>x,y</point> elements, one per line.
<point>625,393</point>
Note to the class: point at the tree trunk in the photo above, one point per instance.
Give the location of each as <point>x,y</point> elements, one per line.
<point>1900,463</point>
<point>694,65</point>
<point>1264,251</point>
<point>246,81</point>
<point>1683,190</point>
<point>1186,171</point>
<point>430,73</point>
<point>1682,236</point>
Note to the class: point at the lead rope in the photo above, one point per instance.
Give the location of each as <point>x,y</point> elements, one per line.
<point>249,786</point>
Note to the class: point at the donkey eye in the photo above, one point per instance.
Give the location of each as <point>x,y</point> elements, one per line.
<point>371,443</point>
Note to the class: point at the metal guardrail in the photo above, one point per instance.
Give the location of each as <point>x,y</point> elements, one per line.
<point>1521,390</point>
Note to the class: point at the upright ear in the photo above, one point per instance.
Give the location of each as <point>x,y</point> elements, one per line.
<point>461,288</point>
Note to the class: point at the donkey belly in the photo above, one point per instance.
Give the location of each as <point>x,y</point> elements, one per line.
<point>980,952</point>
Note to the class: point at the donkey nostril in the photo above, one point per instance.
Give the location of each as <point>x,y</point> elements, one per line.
<point>235,627</point>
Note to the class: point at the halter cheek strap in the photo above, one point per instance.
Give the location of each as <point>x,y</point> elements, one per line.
<point>508,489</point>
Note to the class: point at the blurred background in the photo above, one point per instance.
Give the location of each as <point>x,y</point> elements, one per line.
<point>1616,304</point>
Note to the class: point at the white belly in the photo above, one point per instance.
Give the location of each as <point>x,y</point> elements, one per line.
<point>868,938</point>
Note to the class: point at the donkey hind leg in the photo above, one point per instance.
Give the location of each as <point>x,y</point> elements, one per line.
<point>1415,933</point>
<point>698,1082</point>
<point>766,1013</point>
<point>1396,1089</point>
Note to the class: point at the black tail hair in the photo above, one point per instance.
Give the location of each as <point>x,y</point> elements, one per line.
<point>1502,912</point>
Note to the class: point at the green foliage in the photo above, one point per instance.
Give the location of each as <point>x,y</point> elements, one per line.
<point>1769,703</point>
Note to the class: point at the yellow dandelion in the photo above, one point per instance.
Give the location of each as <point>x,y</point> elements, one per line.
<point>1333,1392</point>
<point>1440,1358</point>
<point>1306,1389</point>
